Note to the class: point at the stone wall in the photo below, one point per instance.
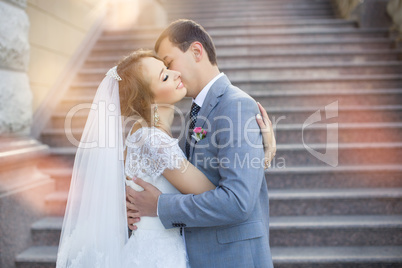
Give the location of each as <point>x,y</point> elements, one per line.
<point>57,30</point>
<point>346,8</point>
<point>394,9</point>
<point>368,13</point>
<point>62,35</point>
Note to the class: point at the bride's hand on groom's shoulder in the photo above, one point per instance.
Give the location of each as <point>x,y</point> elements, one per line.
<point>268,135</point>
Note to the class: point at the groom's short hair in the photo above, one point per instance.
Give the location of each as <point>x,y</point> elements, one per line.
<point>182,33</point>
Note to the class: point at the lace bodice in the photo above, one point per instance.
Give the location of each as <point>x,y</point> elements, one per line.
<point>149,152</point>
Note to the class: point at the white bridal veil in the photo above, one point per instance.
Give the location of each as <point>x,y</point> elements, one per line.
<point>94,227</point>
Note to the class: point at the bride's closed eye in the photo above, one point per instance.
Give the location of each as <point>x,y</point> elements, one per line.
<point>165,78</point>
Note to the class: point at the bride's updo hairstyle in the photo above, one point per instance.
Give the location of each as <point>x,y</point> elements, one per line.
<point>136,96</point>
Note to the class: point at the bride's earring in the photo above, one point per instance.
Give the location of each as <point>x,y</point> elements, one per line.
<point>156,116</point>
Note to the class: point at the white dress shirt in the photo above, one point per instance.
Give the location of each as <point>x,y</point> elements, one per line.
<point>199,100</point>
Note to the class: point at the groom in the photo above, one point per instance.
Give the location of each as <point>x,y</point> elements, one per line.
<point>227,226</point>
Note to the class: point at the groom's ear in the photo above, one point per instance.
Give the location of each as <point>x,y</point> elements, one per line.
<point>197,50</point>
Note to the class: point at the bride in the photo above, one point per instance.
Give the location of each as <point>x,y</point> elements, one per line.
<point>94,232</point>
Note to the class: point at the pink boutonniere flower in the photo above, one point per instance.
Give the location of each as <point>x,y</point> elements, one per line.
<point>199,133</point>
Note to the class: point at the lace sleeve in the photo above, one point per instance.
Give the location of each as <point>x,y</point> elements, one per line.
<point>150,151</point>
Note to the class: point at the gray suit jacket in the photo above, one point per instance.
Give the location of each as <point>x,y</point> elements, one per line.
<point>228,226</point>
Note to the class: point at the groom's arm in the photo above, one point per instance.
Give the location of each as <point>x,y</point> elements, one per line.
<point>235,197</point>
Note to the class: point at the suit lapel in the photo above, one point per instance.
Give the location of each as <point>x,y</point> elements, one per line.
<point>211,100</point>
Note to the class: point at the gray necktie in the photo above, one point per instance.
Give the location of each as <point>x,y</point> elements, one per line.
<point>193,118</point>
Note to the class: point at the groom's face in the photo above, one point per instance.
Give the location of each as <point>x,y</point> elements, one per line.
<point>180,61</point>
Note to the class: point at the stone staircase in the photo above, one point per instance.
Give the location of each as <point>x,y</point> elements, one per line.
<point>295,58</point>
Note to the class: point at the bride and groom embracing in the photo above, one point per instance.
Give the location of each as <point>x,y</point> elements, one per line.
<point>200,201</point>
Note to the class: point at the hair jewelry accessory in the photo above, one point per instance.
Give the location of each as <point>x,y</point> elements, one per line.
<point>113,73</point>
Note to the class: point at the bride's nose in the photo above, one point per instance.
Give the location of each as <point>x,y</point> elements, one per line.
<point>176,75</point>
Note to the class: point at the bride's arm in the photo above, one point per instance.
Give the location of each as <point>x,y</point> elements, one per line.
<point>188,179</point>
<point>268,136</point>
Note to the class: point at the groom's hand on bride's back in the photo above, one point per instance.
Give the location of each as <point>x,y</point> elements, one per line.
<point>132,213</point>
<point>142,203</point>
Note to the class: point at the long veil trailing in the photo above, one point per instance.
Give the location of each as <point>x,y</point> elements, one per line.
<point>94,227</point>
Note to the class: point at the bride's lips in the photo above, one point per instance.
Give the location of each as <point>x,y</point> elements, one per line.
<point>180,85</point>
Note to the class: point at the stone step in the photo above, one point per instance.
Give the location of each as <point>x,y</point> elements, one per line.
<point>101,59</point>
<point>232,25</point>
<point>310,70</point>
<point>237,32</point>
<point>111,55</point>
<point>345,97</point>
<point>214,4</point>
<point>37,257</point>
<point>283,257</point>
<point>261,35</point>
<point>284,115</point>
<point>260,13</point>
<point>223,4</point>
<point>377,44</point>
<point>373,176</point>
<point>320,202</point>
<point>347,133</point>
<point>367,230</point>
<point>359,176</point>
<point>346,82</point>
<point>307,202</point>
<point>280,70</point>
<point>339,257</point>
<point>301,155</point>
<point>279,99</point>
<point>292,155</point>
<point>267,42</point>
<point>47,231</point>
<point>224,27</point>
<point>307,46</point>
<point>285,132</point>
<point>56,203</point>
<point>268,6</point>
<point>279,24</point>
<point>256,18</point>
<point>61,175</point>
<point>377,230</point>
<point>358,56</point>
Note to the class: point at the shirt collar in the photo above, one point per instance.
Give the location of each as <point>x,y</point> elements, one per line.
<point>199,100</point>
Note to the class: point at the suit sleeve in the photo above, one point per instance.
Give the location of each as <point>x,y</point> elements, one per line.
<point>241,177</point>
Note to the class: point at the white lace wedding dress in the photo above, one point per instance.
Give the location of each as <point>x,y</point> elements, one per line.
<point>149,152</point>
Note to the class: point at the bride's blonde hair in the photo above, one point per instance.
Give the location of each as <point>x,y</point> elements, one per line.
<point>135,92</point>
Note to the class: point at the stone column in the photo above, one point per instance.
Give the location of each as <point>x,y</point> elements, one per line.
<point>22,186</point>
<point>15,94</point>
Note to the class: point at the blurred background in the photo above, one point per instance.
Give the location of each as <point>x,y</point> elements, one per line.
<point>329,73</point>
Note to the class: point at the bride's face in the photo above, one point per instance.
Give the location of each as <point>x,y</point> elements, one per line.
<point>165,84</point>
